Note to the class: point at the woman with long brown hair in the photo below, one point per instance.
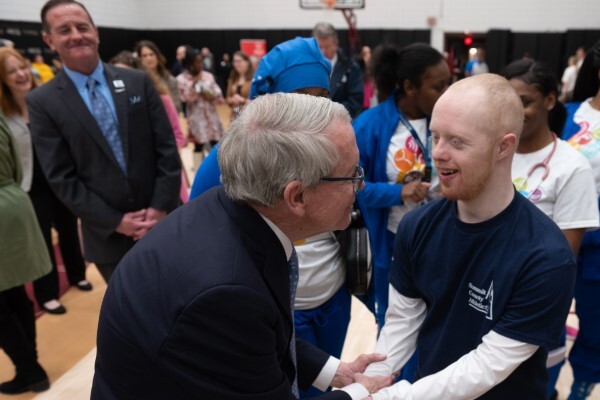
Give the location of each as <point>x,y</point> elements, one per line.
<point>238,84</point>
<point>154,62</point>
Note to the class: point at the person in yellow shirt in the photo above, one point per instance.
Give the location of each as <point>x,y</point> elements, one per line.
<point>42,68</point>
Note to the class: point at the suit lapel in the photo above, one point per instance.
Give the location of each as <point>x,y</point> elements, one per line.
<point>277,277</point>
<point>74,102</point>
<point>265,249</point>
<point>269,257</point>
<point>337,73</point>
<point>120,99</point>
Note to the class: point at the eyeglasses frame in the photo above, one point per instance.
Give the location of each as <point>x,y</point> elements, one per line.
<point>360,178</point>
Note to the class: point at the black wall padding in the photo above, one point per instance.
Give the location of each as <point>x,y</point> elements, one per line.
<point>524,44</point>
<point>578,37</point>
<point>550,50</point>
<point>502,46</point>
<point>498,42</point>
<point>27,36</point>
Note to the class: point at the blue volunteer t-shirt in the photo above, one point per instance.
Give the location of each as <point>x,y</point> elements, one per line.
<point>513,274</point>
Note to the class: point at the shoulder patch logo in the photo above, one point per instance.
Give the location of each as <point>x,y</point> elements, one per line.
<point>482,300</point>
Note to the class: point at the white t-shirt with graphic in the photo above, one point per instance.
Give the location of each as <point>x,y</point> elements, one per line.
<point>587,140</point>
<point>403,158</point>
<point>567,195</point>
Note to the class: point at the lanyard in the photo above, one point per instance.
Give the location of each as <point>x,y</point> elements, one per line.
<point>425,149</point>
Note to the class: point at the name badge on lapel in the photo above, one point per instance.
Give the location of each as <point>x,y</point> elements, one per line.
<point>119,86</point>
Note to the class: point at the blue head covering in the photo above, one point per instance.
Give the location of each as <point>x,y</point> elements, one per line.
<point>291,65</point>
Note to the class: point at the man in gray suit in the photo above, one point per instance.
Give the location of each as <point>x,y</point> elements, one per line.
<point>103,140</point>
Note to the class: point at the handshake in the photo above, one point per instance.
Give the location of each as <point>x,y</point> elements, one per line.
<point>348,373</point>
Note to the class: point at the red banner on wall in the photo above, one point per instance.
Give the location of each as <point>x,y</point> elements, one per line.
<point>255,48</point>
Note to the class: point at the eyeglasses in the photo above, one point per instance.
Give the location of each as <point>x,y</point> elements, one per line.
<point>357,179</point>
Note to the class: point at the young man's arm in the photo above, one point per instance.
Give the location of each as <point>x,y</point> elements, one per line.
<point>470,376</point>
<point>398,336</point>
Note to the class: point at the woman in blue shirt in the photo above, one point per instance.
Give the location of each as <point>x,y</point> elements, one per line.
<point>393,139</point>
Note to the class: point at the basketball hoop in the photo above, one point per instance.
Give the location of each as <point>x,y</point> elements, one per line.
<point>330,4</point>
<point>335,4</point>
<point>347,8</point>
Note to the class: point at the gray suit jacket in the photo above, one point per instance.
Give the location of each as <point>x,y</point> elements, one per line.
<point>82,169</point>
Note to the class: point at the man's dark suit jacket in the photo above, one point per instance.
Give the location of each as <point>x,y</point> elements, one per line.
<point>81,168</point>
<point>347,85</point>
<point>200,309</point>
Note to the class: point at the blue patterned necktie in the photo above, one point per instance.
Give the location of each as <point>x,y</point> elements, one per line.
<point>293,266</point>
<point>106,121</point>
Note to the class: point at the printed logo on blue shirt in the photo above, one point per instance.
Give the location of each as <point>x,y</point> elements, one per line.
<point>482,300</point>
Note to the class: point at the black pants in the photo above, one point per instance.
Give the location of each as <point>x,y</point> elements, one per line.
<point>50,213</point>
<point>106,270</point>
<point>17,328</point>
<point>199,147</point>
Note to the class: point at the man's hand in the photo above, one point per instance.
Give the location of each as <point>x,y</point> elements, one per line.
<point>346,371</point>
<point>140,233</point>
<point>132,222</point>
<point>415,191</point>
<point>153,215</point>
<point>136,224</point>
<point>374,383</point>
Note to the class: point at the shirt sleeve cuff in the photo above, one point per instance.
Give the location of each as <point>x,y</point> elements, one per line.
<point>400,390</point>
<point>327,373</point>
<point>356,391</point>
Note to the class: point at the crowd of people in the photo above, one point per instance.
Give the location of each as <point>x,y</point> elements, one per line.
<point>569,76</point>
<point>480,198</point>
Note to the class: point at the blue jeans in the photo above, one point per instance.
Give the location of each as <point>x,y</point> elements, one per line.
<point>325,327</point>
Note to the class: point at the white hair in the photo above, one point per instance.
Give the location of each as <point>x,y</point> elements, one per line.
<point>278,138</point>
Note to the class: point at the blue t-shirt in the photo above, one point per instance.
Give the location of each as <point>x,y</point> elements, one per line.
<point>513,274</point>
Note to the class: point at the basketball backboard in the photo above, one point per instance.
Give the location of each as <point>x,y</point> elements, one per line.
<point>335,4</point>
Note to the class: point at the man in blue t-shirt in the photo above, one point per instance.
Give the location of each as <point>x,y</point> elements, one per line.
<point>481,281</point>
